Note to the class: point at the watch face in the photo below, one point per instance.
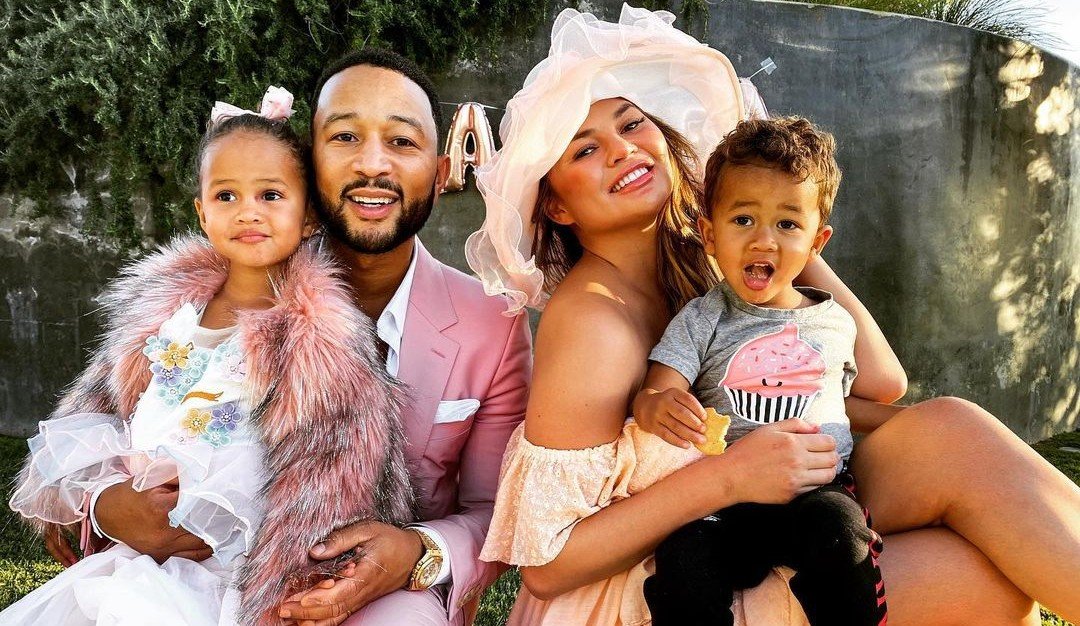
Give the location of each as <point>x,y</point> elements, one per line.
<point>429,572</point>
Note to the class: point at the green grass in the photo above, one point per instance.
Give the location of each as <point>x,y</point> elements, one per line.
<point>24,564</point>
<point>1067,460</point>
<point>496,603</point>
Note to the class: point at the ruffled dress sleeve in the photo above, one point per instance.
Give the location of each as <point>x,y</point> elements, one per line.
<point>543,493</point>
<point>192,424</point>
<point>69,458</point>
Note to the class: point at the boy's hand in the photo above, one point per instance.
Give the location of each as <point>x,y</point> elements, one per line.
<point>674,415</point>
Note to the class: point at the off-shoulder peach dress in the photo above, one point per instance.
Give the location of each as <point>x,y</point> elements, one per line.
<point>543,493</point>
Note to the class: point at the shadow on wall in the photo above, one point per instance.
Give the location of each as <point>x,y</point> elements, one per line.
<point>999,262</point>
<point>1035,294</point>
<point>1010,339</point>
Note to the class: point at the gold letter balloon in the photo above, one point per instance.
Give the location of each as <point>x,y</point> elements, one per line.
<point>468,144</point>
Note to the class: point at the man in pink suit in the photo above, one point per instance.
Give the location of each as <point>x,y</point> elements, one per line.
<point>378,173</point>
<point>375,148</point>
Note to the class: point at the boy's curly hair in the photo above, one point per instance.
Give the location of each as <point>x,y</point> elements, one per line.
<point>788,144</point>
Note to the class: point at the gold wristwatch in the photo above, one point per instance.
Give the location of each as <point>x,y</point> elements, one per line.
<point>430,564</point>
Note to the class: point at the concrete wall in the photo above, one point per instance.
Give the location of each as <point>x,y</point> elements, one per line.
<point>956,221</point>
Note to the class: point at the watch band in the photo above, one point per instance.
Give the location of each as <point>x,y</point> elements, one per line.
<point>427,567</point>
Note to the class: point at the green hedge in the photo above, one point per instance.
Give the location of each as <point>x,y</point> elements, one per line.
<point>1002,17</point>
<point>115,93</point>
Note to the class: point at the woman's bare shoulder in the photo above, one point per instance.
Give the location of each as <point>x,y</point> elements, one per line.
<point>581,296</point>
<point>583,316</point>
<point>589,360</point>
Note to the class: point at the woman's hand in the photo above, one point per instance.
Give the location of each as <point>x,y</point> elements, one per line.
<point>674,415</point>
<point>777,462</point>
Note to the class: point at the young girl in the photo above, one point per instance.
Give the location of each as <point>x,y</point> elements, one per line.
<point>237,367</point>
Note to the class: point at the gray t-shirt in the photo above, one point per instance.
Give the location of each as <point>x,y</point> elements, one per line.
<point>763,365</point>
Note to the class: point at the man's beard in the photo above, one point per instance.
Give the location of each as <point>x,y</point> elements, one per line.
<point>414,214</point>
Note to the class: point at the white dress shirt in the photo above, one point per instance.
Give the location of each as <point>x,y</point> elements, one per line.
<point>391,323</point>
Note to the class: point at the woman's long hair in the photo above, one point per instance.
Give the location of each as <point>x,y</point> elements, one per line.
<point>685,270</point>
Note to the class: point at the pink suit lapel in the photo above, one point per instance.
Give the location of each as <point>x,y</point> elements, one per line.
<point>427,356</point>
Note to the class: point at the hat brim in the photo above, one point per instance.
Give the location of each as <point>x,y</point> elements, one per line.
<point>643,59</point>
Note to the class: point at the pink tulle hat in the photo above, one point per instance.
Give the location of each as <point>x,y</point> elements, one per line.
<point>642,58</point>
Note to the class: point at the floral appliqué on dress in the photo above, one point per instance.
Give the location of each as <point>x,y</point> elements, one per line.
<point>177,368</point>
<point>214,425</point>
<point>231,359</point>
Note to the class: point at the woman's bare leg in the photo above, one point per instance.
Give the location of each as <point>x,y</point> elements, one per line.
<point>947,461</point>
<point>934,577</point>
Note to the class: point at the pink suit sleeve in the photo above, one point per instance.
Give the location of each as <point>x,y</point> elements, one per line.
<point>500,412</point>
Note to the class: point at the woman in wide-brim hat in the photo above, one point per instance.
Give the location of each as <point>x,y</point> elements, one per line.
<point>584,498</point>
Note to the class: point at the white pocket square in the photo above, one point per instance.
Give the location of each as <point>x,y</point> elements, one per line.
<point>455,410</point>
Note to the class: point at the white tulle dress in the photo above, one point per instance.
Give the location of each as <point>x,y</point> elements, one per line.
<point>191,424</point>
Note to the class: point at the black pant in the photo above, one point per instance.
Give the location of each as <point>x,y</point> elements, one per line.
<point>823,535</point>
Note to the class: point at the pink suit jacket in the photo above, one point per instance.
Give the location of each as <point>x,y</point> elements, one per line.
<point>457,345</point>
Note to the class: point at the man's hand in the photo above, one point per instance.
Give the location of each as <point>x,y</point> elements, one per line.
<point>388,556</point>
<point>141,520</point>
<point>58,543</point>
<point>674,415</point>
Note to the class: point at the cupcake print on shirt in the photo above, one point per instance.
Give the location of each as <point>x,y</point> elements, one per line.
<point>774,377</point>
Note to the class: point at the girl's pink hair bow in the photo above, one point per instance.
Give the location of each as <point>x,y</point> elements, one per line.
<point>276,106</point>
